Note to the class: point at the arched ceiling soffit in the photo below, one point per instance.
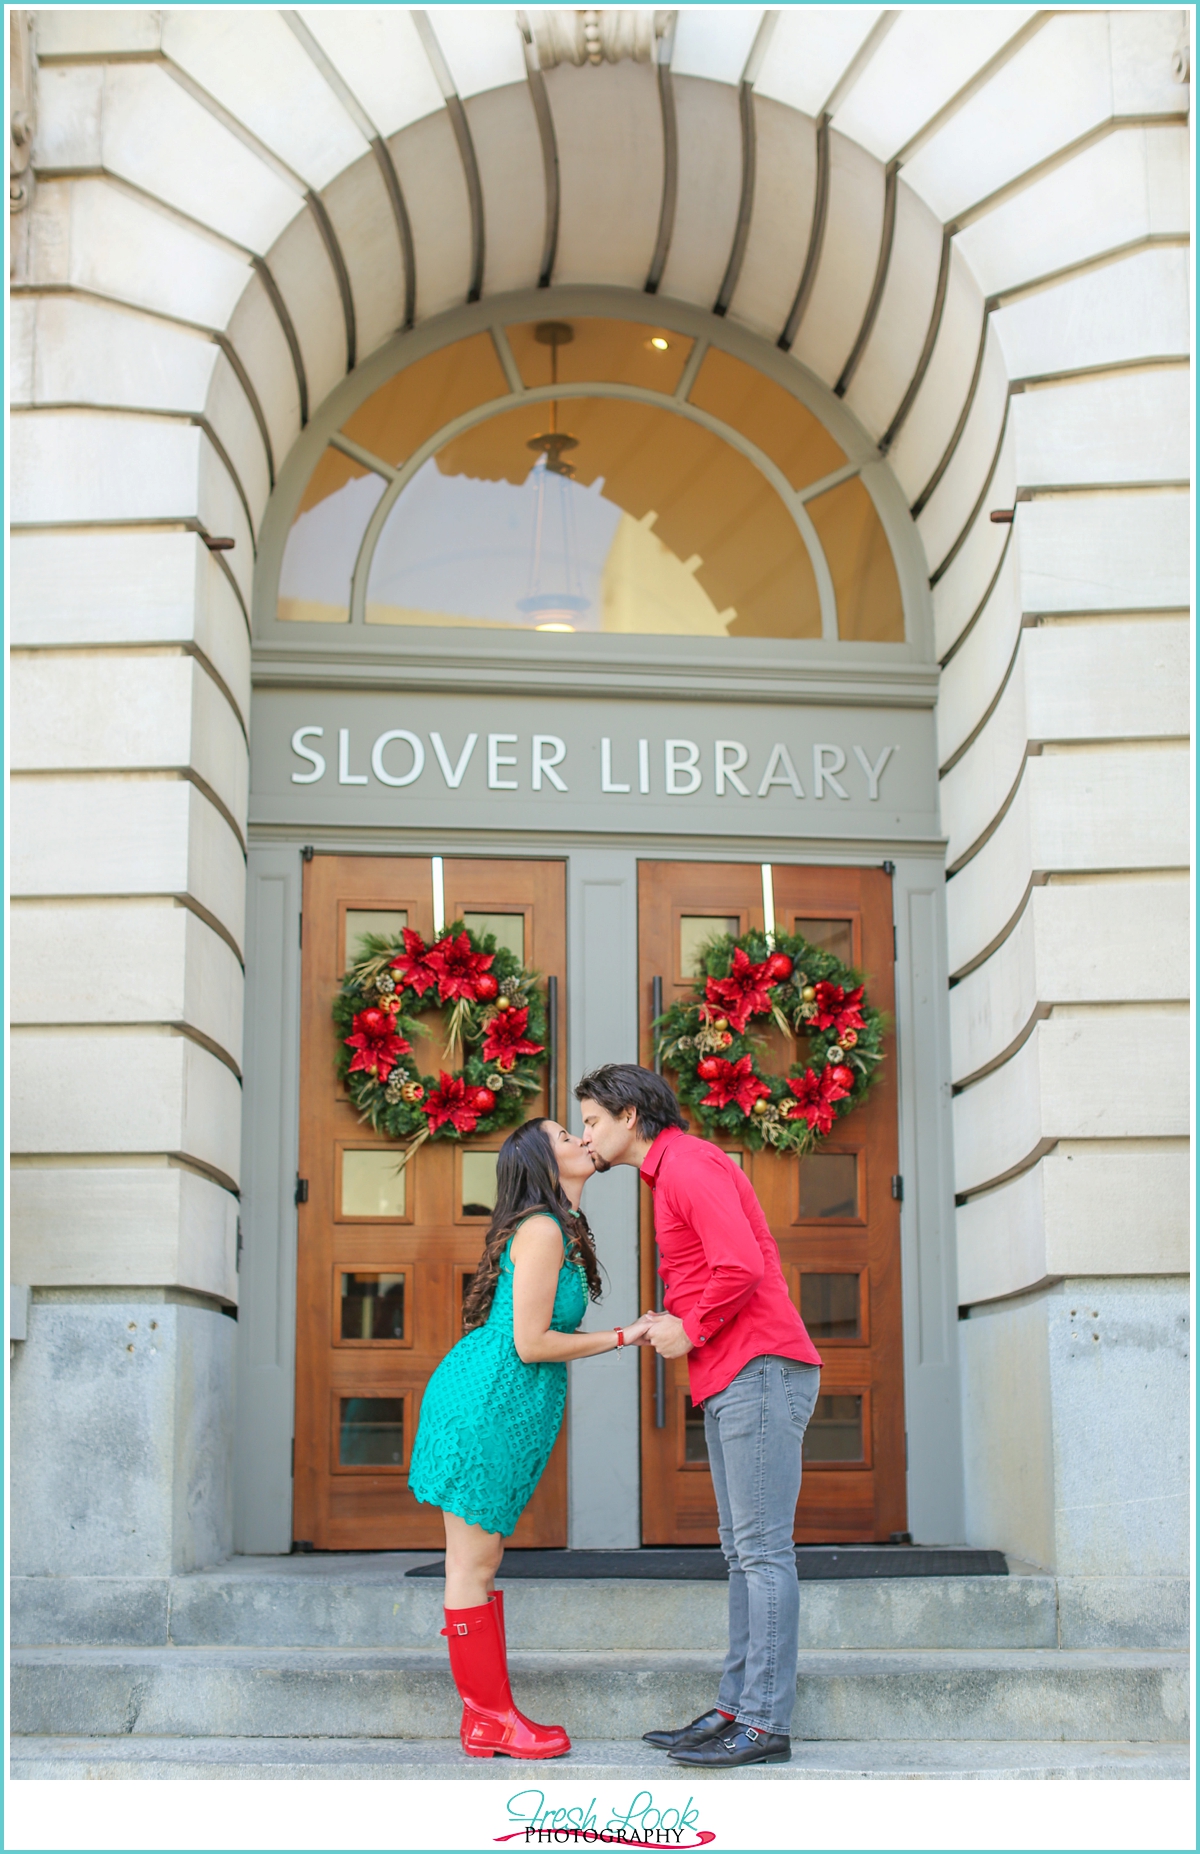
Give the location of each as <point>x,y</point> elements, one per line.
<point>832,180</point>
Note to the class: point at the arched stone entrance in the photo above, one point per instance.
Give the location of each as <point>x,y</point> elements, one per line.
<point>970,229</point>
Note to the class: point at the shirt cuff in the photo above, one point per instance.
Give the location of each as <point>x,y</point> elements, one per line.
<point>697,1330</point>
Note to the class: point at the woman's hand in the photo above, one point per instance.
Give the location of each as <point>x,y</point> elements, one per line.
<point>537,1254</point>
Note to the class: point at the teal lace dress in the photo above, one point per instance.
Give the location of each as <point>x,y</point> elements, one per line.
<point>489,1421</point>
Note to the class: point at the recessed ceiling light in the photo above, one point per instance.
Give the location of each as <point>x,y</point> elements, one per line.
<point>660,342</point>
<point>554,627</point>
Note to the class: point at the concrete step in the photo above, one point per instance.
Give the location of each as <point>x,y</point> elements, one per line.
<point>366,1601</point>
<point>1061,1694</point>
<point>389,1759</point>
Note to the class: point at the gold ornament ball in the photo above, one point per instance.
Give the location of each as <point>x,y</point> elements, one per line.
<point>412,1092</point>
<point>809,993</point>
<point>760,1107</point>
<point>503,1003</point>
<point>850,1038</point>
<point>720,1023</point>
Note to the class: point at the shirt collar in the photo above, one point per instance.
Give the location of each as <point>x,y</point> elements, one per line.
<point>648,1170</point>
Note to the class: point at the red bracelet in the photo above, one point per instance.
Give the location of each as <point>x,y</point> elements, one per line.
<point>620,1337</point>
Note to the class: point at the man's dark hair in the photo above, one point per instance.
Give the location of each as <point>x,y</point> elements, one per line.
<point>618,1085</point>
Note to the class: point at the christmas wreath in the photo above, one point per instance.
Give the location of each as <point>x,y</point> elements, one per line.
<point>706,1041</point>
<point>495,1013</point>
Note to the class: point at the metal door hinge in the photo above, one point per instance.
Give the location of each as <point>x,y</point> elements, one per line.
<point>300,930</point>
<point>237,1259</point>
<point>898,1188</point>
<point>293,1457</point>
<point>895,946</point>
<point>889,869</point>
<point>307,853</point>
<point>302,1190</point>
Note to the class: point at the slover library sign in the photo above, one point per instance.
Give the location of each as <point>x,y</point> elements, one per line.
<point>471,761</point>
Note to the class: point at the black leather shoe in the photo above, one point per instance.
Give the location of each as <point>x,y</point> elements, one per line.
<point>709,1725</point>
<point>743,1744</point>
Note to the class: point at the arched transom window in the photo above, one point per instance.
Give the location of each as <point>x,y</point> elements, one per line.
<point>590,475</point>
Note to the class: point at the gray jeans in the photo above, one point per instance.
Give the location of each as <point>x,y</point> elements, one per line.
<point>754,1429</point>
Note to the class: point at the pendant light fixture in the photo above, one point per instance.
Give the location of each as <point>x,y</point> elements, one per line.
<point>554,610</point>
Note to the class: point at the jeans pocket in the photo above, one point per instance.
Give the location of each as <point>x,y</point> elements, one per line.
<point>801,1385</point>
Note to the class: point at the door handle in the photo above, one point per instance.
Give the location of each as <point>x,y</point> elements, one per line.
<point>660,1364</point>
<point>552,1046</point>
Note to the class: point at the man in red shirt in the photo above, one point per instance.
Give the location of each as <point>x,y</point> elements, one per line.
<point>755,1370</point>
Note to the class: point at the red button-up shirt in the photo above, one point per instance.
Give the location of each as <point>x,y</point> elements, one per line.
<point>719,1263</point>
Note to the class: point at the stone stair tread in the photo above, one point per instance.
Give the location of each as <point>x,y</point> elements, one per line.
<point>383,1759</point>
<point>355,1601</point>
<point>813,1663</point>
<point>926,1695</point>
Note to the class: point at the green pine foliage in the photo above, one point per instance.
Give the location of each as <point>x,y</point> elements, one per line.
<point>375,1100</point>
<point>684,1035</point>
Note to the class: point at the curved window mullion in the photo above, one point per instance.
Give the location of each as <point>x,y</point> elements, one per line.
<point>793,500</point>
<point>367,459</point>
<point>401,478</point>
<point>824,578</point>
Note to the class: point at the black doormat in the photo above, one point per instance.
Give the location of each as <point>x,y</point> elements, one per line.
<point>705,1565</point>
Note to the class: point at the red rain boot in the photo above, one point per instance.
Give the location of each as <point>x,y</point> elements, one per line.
<point>490,1720</point>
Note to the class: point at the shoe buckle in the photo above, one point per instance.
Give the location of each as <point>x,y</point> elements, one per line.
<point>751,1734</point>
<point>462,1628</point>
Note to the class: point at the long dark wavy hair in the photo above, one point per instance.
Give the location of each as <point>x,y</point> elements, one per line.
<point>526,1182</point>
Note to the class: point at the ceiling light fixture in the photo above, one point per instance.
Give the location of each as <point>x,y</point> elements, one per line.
<point>559,610</point>
<point>660,342</point>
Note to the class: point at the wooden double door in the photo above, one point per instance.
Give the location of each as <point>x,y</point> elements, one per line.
<point>833,1214</point>
<point>385,1256</point>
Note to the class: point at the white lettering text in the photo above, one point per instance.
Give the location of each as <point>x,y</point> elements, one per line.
<point>345,776</point>
<point>317,760</point>
<point>682,762</point>
<point>823,774</point>
<point>606,779</point>
<point>453,775</point>
<point>873,772</point>
<point>730,756</point>
<point>780,771</point>
<point>548,752</point>
<point>418,752</point>
<point>496,760</point>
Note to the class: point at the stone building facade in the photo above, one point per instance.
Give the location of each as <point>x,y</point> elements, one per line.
<point>958,240</point>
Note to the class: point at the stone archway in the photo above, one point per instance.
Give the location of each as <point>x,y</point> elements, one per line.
<point>970,228</point>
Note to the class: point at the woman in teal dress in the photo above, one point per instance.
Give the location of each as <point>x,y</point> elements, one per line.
<point>493,1408</point>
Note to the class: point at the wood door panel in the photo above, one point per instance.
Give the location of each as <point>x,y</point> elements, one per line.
<point>342,1507</point>
<point>841,1500</point>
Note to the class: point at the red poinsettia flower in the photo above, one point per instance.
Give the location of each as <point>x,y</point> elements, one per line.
<point>377,1047</point>
<point>815,1096</point>
<point>837,1008</point>
<point>458,969</point>
<point>744,993</point>
<point>735,1082</point>
<point>412,967</point>
<point>452,1102</point>
<point>505,1036</point>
